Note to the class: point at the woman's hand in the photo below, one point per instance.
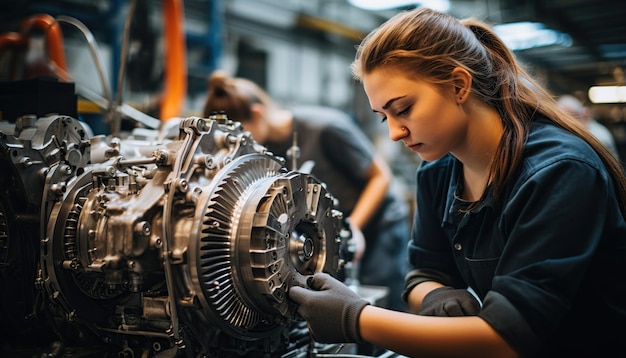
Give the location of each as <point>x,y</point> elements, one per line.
<point>449,302</point>
<point>331,309</point>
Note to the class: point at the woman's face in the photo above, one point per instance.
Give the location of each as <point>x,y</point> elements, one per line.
<point>435,124</point>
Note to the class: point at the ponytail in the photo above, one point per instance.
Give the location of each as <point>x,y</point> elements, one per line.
<point>427,44</point>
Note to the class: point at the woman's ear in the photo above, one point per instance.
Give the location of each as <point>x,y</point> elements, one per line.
<point>462,81</point>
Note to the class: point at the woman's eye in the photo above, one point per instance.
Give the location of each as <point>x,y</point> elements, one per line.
<point>383,119</point>
<point>404,111</point>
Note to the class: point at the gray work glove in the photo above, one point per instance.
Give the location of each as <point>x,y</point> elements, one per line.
<point>331,309</point>
<point>449,302</point>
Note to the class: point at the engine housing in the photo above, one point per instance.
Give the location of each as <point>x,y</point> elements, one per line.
<point>154,247</point>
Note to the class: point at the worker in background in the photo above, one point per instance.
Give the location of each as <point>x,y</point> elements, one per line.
<point>335,151</point>
<point>576,109</point>
<point>518,247</point>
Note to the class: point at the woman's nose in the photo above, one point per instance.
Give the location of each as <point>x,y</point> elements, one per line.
<point>397,131</point>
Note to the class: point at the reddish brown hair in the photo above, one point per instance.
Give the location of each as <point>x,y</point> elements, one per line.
<point>426,44</point>
<point>233,96</point>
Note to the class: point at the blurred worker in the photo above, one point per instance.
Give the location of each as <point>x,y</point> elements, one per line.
<point>576,109</point>
<point>336,152</point>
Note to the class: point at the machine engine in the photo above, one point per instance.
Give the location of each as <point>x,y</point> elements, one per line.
<point>182,247</point>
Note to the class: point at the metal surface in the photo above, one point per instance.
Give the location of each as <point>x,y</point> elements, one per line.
<point>189,249</point>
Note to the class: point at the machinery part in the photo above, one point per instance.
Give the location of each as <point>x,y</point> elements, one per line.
<point>52,31</point>
<point>29,147</point>
<point>280,227</point>
<point>191,248</point>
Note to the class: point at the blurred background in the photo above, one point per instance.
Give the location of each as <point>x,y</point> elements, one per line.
<point>138,63</point>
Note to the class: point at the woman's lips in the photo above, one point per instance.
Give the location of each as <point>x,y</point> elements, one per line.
<point>415,147</point>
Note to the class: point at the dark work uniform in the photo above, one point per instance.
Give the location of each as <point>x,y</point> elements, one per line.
<point>341,154</point>
<point>548,263</point>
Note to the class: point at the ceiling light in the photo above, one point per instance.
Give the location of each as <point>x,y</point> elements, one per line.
<point>374,5</point>
<point>524,35</point>
<point>607,94</point>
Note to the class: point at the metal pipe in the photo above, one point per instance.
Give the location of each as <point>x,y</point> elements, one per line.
<point>54,37</point>
<point>175,87</point>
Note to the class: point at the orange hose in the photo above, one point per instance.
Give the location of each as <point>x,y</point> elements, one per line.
<point>54,37</point>
<point>13,44</point>
<point>11,40</point>
<point>175,87</point>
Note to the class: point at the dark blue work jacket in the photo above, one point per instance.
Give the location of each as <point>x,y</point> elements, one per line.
<point>548,260</point>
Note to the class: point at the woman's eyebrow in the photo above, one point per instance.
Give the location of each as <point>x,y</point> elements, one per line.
<point>390,102</point>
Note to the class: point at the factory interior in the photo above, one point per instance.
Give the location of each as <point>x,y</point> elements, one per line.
<point>132,224</point>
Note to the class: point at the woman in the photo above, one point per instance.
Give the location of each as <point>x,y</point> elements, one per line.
<point>336,152</point>
<point>519,239</point>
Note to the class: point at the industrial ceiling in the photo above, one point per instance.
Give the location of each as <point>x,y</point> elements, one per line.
<point>597,54</point>
<point>597,28</point>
